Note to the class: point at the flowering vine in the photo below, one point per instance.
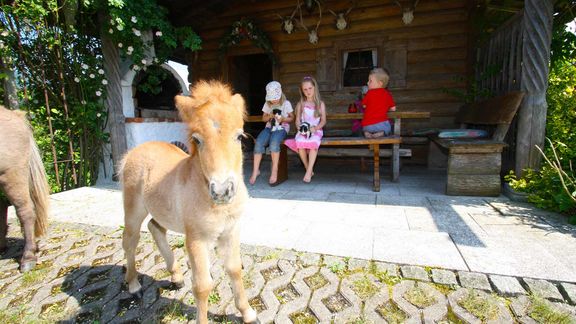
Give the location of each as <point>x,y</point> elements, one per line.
<point>247,29</point>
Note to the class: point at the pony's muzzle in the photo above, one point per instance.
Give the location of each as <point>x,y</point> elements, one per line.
<point>222,192</point>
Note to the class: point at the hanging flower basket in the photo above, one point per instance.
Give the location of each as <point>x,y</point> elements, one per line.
<point>246,29</point>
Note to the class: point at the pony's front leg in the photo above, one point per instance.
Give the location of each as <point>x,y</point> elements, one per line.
<point>230,247</point>
<point>201,279</point>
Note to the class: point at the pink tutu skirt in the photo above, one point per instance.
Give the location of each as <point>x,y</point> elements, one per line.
<point>301,142</point>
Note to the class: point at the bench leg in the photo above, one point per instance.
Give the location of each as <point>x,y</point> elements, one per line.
<point>395,162</point>
<point>283,165</point>
<point>376,149</point>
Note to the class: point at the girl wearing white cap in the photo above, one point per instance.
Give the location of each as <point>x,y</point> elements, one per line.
<point>277,114</point>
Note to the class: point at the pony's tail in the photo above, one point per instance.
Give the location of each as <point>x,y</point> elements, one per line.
<point>39,190</point>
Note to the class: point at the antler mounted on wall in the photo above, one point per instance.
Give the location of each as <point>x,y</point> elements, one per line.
<point>341,22</point>
<point>407,11</point>
<point>313,33</point>
<point>288,21</point>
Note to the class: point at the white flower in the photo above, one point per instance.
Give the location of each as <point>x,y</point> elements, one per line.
<point>83,102</point>
<point>112,22</point>
<point>111,31</point>
<point>156,60</point>
<point>84,66</point>
<point>1,44</point>
<point>159,33</point>
<point>133,19</point>
<point>130,49</point>
<point>120,27</point>
<point>135,67</point>
<point>144,61</point>
<point>4,33</point>
<point>136,32</point>
<point>92,76</point>
<point>104,82</point>
<point>98,93</point>
<point>77,80</point>
<point>120,45</point>
<point>98,115</point>
<point>100,71</point>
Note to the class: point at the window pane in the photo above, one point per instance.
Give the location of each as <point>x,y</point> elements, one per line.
<point>357,68</point>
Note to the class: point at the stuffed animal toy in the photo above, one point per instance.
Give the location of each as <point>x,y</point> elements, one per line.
<point>304,129</point>
<point>274,121</point>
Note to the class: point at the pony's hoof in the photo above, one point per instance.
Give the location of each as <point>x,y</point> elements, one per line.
<point>177,285</point>
<point>138,295</point>
<point>27,266</point>
<point>250,316</point>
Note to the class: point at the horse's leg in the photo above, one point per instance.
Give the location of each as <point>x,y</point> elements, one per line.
<point>17,191</point>
<point>134,215</point>
<point>201,279</point>
<point>230,247</point>
<point>159,235</point>
<point>3,223</point>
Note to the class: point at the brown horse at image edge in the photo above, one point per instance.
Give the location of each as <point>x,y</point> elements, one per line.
<point>23,182</point>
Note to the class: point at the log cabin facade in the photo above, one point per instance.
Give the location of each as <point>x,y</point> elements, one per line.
<point>432,60</point>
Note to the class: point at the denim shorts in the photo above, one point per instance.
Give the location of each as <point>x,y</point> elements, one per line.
<point>267,137</point>
<point>379,127</point>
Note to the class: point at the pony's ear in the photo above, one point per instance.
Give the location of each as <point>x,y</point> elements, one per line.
<point>184,104</point>
<point>238,102</point>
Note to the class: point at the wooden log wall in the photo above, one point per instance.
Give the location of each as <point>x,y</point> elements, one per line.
<point>427,57</point>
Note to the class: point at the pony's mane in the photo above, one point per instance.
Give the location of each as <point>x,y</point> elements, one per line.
<point>204,91</point>
<point>210,101</point>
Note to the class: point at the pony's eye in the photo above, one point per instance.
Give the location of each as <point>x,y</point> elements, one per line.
<point>196,138</point>
<point>240,136</point>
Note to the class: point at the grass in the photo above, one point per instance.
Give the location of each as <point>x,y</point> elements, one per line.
<point>383,276</point>
<point>419,297</point>
<point>364,288</point>
<point>213,298</point>
<point>34,276</point>
<point>271,256</point>
<point>338,268</point>
<point>542,312</point>
<point>173,312</point>
<point>179,242</point>
<point>481,307</point>
<point>16,316</point>
<point>391,313</point>
<point>247,279</point>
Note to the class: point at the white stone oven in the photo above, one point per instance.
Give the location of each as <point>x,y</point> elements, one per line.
<point>148,123</point>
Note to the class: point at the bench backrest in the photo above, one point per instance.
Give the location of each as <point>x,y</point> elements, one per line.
<point>497,111</point>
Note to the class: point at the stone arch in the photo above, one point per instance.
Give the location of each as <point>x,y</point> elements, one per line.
<point>128,89</point>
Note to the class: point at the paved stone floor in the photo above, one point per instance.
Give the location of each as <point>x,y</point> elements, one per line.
<point>331,251</point>
<point>79,279</point>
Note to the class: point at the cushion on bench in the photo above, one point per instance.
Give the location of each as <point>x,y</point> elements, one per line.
<point>462,133</point>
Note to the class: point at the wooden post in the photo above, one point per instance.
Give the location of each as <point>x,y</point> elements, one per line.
<point>113,101</point>
<point>538,16</point>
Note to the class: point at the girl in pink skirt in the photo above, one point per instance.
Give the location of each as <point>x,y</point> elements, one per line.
<point>311,110</point>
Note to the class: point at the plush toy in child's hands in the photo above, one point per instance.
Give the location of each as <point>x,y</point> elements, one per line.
<point>304,129</point>
<point>276,125</point>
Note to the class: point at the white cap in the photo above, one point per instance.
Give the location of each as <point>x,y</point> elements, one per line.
<point>273,91</point>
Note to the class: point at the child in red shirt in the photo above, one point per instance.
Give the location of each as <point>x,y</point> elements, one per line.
<point>378,101</point>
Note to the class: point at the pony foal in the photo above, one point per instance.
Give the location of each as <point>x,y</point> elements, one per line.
<point>23,181</point>
<point>201,195</point>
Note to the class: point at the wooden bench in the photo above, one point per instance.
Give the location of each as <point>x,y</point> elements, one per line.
<point>474,165</point>
<point>371,144</point>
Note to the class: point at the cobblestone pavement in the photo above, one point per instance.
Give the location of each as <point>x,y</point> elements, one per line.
<point>79,279</point>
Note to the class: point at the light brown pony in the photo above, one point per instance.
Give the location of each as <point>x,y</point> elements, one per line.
<point>23,181</point>
<point>201,195</point>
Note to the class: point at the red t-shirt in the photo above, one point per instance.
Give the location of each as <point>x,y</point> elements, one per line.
<point>377,101</point>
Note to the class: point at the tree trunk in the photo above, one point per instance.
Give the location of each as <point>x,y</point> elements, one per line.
<point>114,99</point>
